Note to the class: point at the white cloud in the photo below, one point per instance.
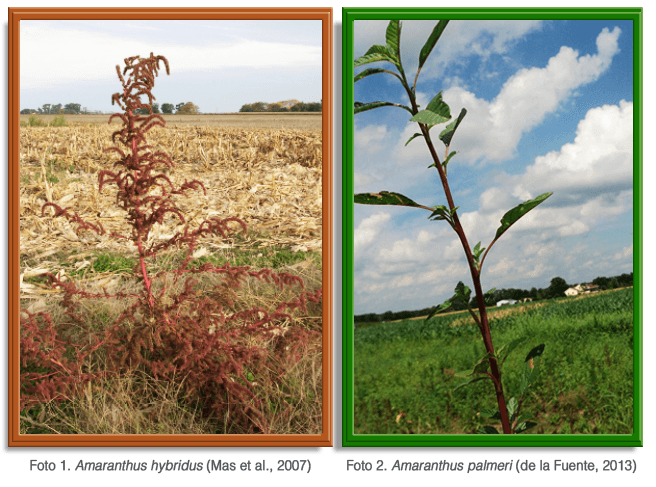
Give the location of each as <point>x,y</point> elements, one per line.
<point>407,250</point>
<point>539,269</point>
<point>453,251</point>
<point>360,179</point>
<point>625,253</point>
<point>492,130</point>
<point>577,227</point>
<point>502,267</point>
<point>369,230</point>
<point>369,138</point>
<point>460,40</point>
<point>53,52</point>
<point>600,156</point>
<point>494,198</point>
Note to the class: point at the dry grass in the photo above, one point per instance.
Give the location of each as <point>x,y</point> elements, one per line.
<point>137,404</point>
<point>271,179</point>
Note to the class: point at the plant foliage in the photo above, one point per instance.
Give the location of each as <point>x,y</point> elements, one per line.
<point>438,112</point>
<point>172,329</point>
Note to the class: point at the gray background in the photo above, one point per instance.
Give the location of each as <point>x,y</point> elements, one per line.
<point>328,469</point>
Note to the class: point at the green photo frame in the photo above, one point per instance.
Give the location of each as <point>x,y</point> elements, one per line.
<point>354,437</point>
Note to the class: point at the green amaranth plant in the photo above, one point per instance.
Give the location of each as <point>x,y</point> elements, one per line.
<point>438,112</point>
<point>196,338</point>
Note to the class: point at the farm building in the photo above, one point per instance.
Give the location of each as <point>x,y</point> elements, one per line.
<point>506,301</point>
<point>582,289</point>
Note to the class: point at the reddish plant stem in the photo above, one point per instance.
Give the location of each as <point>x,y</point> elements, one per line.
<point>476,278</point>
<point>144,272</point>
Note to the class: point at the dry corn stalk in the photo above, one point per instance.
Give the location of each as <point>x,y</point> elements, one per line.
<point>271,179</point>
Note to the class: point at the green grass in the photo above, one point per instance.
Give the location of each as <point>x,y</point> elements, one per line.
<point>56,171</point>
<point>273,257</point>
<point>405,381</point>
<point>34,121</point>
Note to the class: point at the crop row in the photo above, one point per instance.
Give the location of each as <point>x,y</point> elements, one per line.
<point>461,324</point>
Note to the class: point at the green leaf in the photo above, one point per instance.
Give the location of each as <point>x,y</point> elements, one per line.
<point>448,159</point>
<point>507,349</point>
<point>535,352</point>
<point>414,137</point>
<point>450,130</point>
<point>384,198</point>
<point>436,112</point>
<point>519,211</point>
<point>490,413</point>
<point>469,382</point>
<point>480,367</point>
<point>512,407</point>
<point>524,417</point>
<point>531,368</point>
<point>370,71</point>
<point>522,427</point>
<point>440,212</point>
<point>487,430</point>
<point>428,117</point>
<point>478,250</point>
<point>363,107</point>
<point>438,105</point>
<point>432,40</point>
<point>441,307</point>
<point>374,54</point>
<point>393,38</point>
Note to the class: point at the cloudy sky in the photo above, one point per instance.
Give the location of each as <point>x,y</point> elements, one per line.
<point>549,108</point>
<point>219,65</point>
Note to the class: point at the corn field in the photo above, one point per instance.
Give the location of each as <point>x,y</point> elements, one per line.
<point>271,179</point>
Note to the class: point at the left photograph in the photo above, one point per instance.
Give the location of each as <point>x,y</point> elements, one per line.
<point>170,228</point>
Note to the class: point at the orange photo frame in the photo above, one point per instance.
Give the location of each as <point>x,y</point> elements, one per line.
<point>325,439</point>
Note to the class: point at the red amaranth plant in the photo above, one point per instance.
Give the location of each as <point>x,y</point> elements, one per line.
<point>195,337</point>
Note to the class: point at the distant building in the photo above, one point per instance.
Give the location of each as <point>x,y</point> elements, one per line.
<point>582,289</point>
<point>572,291</point>
<point>506,301</point>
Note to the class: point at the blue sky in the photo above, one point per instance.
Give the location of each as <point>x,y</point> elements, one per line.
<point>219,65</point>
<point>550,108</point>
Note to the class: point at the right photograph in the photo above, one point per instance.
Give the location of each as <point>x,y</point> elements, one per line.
<point>492,227</point>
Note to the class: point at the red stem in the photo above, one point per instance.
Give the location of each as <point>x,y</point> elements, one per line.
<point>475,273</point>
<point>142,262</point>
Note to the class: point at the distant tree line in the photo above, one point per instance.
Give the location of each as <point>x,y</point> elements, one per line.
<point>180,109</point>
<point>76,109</point>
<point>48,109</point>
<point>556,289</point>
<point>261,106</point>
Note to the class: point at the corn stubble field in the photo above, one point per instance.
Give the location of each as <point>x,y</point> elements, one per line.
<point>270,120</point>
<point>268,177</point>
<point>406,372</point>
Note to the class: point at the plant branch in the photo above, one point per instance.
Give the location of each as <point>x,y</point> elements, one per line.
<point>494,379</point>
<point>480,265</point>
<point>475,273</point>
<point>476,319</point>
